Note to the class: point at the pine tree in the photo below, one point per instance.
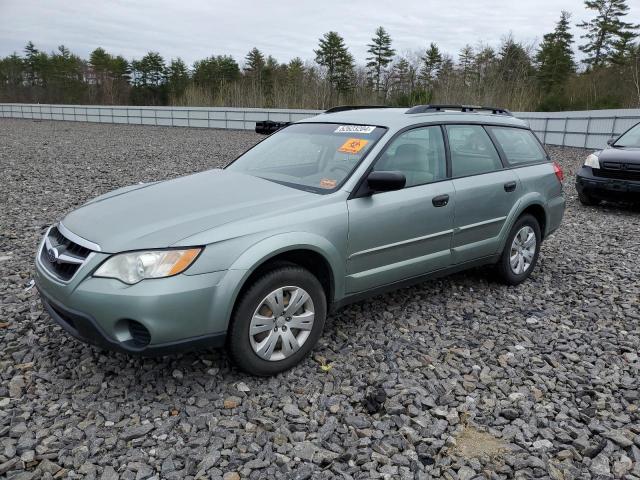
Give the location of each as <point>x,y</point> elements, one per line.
<point>402,76</point>
<point>271,68</point>
<point>177,77</point>
<point>335,57</point>
<point>431,63</point>
<point>254,63</point>
<point>622,48</point>
<point>32,63</point>
<point>228,68</point>
<point>514,62</point>
<point>65,76</point>
<point>484,63</point>
<point>603,30</point>
<point>11,69</point>
<point>381,56</point>
<point>152,69</point>
<point>295,80</point>
<point>120,69</point>
<point>466,62</point>
<point>555,56</point>
<point>213,71</point>
<point>295,70</point>
<point>100,60</point>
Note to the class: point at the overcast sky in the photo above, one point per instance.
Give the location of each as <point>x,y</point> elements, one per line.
<point>194,29</point>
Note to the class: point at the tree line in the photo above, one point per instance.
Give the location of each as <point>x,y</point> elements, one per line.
<point>513,74</point>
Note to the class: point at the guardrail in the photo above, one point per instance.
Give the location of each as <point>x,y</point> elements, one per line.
<point>202,117</point>
<point>586,129</point>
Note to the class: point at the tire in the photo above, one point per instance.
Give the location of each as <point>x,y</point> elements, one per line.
<point>524,226</point>
<point>587,200</point>
<point>273,330</point>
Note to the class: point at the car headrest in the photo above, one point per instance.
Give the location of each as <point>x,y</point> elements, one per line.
<point>409,156</point>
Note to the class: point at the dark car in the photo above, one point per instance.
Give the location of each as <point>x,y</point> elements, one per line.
<point>612,173</point>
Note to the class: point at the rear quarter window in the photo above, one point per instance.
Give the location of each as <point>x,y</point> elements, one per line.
<point>519,145</point>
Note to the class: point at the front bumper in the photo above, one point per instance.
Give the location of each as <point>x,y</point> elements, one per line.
<point>85,328</point>
<point>152,317</point>
<point>606,188</point>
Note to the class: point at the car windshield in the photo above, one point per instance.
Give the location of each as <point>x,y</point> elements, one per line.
<point>629,139</point>
<point>316,157</point>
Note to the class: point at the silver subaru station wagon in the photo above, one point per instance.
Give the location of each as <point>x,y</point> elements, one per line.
<point>321,213</point>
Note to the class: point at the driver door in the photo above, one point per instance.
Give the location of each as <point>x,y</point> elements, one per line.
<point>402,234</point>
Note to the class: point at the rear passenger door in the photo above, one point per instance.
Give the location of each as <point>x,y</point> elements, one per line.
<point>485,192</point>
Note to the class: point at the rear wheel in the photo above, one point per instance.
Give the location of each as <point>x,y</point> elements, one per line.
<point>587,200</point>
<point>521,251</point>
<point>277,321</point>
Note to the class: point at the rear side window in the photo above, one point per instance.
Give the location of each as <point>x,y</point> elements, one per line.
<point>518,145</point>
<point>472,151</point>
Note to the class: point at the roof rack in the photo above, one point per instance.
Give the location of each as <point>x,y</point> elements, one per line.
<point>461,108</point>
<point>344,108</point>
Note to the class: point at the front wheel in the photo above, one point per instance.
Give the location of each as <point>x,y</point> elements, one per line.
<point>521,251</point>
<point>277,321</point>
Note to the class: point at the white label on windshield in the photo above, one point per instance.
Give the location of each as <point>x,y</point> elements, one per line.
<point>354,129</point>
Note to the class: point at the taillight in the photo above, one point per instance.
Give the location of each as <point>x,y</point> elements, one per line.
<point>558,171</point>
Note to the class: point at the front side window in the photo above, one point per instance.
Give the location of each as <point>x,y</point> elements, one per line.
<point>419,154</point>
<point>472,151</point>
<point>630,139</point>
<point>316,157</point>
<point>518,145</point>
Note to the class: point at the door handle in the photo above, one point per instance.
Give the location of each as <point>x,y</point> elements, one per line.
<point>510,186</point>
<point>440,200</point>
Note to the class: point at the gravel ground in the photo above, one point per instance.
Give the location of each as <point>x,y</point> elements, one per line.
<point>455,378</point>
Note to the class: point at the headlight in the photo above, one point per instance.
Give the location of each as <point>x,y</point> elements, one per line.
<point>136,266</point>
<point>592,161</point>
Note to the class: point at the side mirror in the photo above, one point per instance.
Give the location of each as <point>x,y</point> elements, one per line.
<point>611,141</point>
<point>386,181</point>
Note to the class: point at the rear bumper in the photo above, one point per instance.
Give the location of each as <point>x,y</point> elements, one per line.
<point>85,328</point>
<point>605,188</point>
<point>555,213</point>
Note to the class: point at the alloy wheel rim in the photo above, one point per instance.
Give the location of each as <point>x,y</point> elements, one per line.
<point>523,249</point>
<point>281,323</point>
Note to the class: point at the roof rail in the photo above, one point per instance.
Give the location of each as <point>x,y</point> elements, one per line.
<point>344,108</point>
<point>461,108</point>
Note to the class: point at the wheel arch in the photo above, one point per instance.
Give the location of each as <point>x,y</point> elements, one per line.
<point>537,211</point>
<point>311,252</point>
<point>532,204</point>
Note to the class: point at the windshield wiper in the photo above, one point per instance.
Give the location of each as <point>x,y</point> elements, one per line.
<point>297,186</point>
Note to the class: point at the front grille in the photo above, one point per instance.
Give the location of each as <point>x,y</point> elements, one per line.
<point>619,171</point>
<point>70,256</point>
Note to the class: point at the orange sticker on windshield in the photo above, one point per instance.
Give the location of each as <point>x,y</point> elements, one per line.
<point>327,183</point>
<point>353,145</point>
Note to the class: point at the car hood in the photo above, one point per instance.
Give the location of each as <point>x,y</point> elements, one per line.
<point>160,214</point>
<point>620,155</point>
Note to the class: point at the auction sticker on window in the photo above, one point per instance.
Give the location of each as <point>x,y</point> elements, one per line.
<point>353,145</point>
<point>354,129</point>
<point>328,183</point>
